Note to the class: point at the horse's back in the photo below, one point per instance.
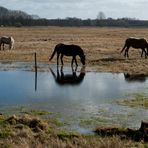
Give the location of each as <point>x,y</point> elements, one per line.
<point>136,42</point>
<point>69,49</point>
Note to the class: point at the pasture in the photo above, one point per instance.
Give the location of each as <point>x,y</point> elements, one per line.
<point>109,91</point>
<point>102,46</point>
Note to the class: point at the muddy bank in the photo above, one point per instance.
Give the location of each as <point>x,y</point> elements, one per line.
<point>137,135</point>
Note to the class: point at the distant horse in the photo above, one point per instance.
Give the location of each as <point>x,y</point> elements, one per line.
<point>68,79</point>
<point>6,40</point>
<point>68,50</point>
<point>135,43</point>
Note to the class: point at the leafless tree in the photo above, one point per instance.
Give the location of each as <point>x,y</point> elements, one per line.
<point>101,16</point>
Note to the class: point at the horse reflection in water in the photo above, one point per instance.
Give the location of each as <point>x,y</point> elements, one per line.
<point>135,77</point>
<point>68,79</point>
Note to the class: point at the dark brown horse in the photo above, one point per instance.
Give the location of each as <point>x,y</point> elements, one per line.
<point>68,50</point>
<point>135,43</point>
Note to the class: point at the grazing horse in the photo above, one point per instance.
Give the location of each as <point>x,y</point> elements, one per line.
<point>6,40</point>
<point>68,50</point>
<point>135,43</point>
<point>68,79</point>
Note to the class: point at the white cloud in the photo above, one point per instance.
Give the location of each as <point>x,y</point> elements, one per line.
<point>80,8</point>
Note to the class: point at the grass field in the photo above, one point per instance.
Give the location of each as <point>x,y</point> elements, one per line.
<point>101,45</point>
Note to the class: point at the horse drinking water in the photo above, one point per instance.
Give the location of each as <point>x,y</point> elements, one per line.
<point>135,43</point>
<point>6,40</point>
<point>68,50</point>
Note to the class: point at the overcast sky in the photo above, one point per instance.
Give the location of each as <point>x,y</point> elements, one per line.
<point>80,8</point>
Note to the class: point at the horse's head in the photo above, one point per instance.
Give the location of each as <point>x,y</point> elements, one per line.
<point>83,59</point>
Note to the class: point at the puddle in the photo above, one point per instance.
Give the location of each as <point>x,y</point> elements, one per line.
<point>83,99</point>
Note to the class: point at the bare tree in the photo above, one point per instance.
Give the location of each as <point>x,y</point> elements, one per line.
<point>101,16</point>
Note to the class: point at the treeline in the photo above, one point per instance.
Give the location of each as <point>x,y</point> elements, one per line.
<point>123,22</point>
<point>20,18</point>
<point>20,21</point>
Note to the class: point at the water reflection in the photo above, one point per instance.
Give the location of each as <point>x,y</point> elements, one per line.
<point>82,96</point>
<point>68,79</point>
<point>36,80</point>
<point>135,77</point>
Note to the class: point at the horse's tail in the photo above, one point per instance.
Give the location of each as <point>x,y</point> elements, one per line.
<point>55,50</point>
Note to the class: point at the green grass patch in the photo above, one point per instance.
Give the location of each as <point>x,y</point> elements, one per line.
<point>5,132</point>
<point>65,134</point>
<point>37,112</point>
<point>138,100</point>
<point>2,118</point>
<point>93,121</point>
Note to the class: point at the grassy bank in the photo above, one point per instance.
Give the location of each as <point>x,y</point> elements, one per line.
<point>31,130</point>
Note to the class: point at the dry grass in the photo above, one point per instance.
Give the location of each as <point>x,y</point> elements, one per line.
<point>34,132</point>
<point>101,45</point>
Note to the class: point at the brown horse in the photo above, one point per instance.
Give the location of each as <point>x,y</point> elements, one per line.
<point>68,50</point>
<point>135,43</point>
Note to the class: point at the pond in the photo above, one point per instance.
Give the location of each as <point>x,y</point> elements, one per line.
<point>82,99</point>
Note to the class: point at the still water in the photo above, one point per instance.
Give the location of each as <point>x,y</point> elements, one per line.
<point>82,99</point>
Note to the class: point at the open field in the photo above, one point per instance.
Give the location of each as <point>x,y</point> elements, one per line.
<point>101,45</point>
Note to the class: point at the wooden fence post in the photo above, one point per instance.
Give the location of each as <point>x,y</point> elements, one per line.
<point>35,59</point>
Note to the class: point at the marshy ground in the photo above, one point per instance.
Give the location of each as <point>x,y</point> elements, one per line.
<point>31,129</point>
<point>102,47</point>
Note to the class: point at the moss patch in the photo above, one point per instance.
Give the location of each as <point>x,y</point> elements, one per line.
<point>137,100</point>
<point>93,121</point>
<point>37,112</point>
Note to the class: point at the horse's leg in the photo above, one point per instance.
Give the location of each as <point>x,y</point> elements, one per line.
<point>9,46</point>
<point>147,50</point>
<point>142,53</point>
<point>62,74</point>
<point>123,48</point>
<point>58,59</point>
<point>72,61</point>
<point>3,45</point>
<point>143,50</point>
<point>126,52</point>
<point>62,59</point>
<point>58,74</point>
<point>76,61</point>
